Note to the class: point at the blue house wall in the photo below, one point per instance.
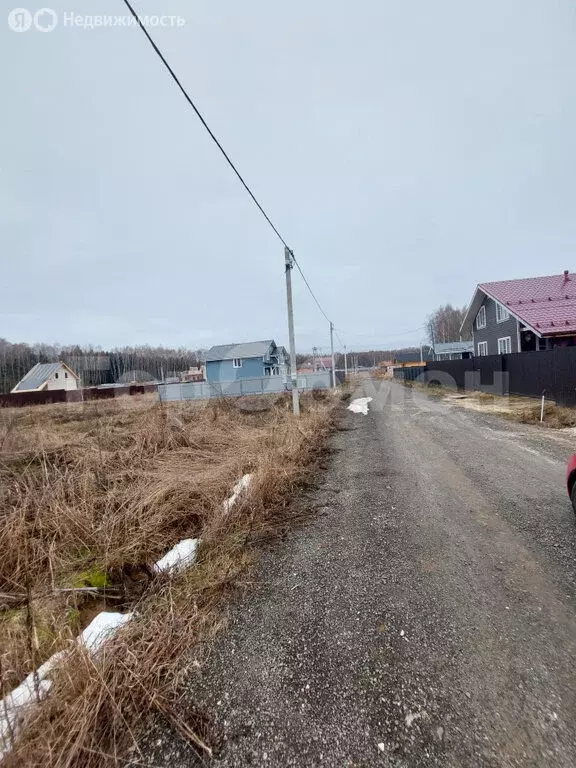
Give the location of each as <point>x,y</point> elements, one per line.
<point>223,370</point>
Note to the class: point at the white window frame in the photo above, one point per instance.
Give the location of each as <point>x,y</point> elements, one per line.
<point>481,318</point>
<point>237,362</point>
<point>482,348</point>
<point>509,345</point>
<point>502,314</point>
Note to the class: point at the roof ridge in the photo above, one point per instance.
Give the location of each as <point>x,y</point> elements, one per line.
<point>536,277</point>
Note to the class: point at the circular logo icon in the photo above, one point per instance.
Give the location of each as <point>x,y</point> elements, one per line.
<point>45,20</point>
<point>19,20</point>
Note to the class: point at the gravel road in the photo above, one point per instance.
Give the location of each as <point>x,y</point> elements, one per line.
<point>425,616</point>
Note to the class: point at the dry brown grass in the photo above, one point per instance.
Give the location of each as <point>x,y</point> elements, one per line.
<point>555,416</point>
<point>434,390</point>
<point>513,407</point>
<point>94,494</point>
<point>382,374</point>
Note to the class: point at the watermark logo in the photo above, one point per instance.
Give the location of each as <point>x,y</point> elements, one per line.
<point>46,20</point>
<point>20,20</point>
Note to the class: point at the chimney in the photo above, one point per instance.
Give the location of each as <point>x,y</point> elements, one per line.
<point>566,277</point>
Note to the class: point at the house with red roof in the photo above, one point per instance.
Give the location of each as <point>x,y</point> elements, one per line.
<point>534,313</point>
<point>315,365</point>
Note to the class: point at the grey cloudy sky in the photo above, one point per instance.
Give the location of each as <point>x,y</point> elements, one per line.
<point>407,149</point>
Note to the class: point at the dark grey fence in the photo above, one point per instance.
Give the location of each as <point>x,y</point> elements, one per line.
<point>410,373</point>
<point>524,373</point>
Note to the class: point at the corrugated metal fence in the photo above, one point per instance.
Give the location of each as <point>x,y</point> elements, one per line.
<point>49,396</point>
<point>524,373</point>
<point>262,385</point>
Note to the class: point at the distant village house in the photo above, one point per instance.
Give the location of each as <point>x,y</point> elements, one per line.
<point>454,350</point>
<point>48,376</point>
<point>247,360</point>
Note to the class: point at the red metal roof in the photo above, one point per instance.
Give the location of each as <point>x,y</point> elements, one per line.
<point>547,304</point>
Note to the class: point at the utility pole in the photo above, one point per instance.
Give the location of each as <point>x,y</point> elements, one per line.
<point>289,265</point>
<point>433,335</point>
<point>345,364</point>
<point>332,354</point>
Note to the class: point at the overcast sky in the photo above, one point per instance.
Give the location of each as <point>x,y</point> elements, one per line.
<point>407,150</point>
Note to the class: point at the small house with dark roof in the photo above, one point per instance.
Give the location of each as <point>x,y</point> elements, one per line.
<point>453,350</point>
<point>245,360</point>
<point>530,314</point>
<point>46,376</point>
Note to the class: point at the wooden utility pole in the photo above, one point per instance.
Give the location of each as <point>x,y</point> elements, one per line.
<point>289,265</point>
<point>332,354</point>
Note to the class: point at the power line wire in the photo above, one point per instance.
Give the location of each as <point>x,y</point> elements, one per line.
<point>375,336</point>
<point>310,289</point>
<point>339,339</point>
<point>221,148</point>
<point>203,121</point>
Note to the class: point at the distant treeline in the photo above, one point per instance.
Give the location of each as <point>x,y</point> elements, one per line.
<point>95,366</point>
<point>375,356</point>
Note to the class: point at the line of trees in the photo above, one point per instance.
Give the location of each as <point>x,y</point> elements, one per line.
<point>373,357</point>
<point>95,366</point>
<point>444,324</point>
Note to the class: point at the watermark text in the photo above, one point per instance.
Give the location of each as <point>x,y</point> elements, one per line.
<point>46,20</point>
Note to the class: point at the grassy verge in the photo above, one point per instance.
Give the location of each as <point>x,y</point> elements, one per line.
<point>434,390</point>
<point>514,408</point>
<point>381,374</point>
<point>91,496</point>
<point>555,416</point>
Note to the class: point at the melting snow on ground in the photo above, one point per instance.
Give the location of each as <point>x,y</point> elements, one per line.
<point>36,685</point>
<point>240,486</point>
<point>180,556</point>
<point>34,688</point>
<point>360,405</point>
<point>101,628</point>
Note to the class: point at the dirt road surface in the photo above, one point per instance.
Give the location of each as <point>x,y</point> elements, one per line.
<point>425,616</point>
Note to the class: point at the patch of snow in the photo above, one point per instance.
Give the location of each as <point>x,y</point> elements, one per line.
<point>101,628</point>
<point>240,486</point>
<point>381,747</point>
<point>180,556</point>
<point>36,686</point>
<point>13,706</point>
<point>104,626</point>
<point>21,697</point>
<point>360,405</point>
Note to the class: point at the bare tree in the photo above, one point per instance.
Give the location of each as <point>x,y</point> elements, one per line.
<point>444,324</point>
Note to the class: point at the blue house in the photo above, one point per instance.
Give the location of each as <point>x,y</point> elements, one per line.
<point>230,362</point>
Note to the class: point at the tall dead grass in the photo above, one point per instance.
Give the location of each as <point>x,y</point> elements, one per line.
<point>100,496</point>
<point>555,416</point>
